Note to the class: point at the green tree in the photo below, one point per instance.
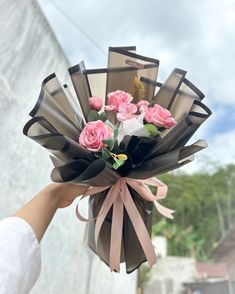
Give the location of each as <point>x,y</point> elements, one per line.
<point>204,205</point>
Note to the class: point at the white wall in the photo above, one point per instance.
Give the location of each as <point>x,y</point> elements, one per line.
<point>29,51</point>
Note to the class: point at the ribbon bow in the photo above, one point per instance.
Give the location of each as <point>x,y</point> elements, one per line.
<point>119,196</point>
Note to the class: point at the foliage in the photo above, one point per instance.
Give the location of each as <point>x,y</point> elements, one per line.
<point>204,211</point>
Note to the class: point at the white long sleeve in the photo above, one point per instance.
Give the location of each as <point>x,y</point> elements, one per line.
<point>20,256</point>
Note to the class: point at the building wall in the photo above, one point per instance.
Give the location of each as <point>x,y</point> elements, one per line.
<point>229,259</point>
<point>225,251</point>
<point>29,51</point>
<point>169,275</point>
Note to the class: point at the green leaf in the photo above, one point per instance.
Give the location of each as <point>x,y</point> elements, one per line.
<point>152,129</point>
<point>109,143</point>
<point>103,116</point>
<point>93,115</point>
<point>118,163</point>
<point>105,154</point>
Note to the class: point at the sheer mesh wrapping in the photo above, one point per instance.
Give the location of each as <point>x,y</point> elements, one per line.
<point>81,86</point>
<point>57,123</point>
<point>124,66</point>
<point>166,94</point>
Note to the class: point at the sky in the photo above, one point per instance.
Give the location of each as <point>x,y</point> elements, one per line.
<point>195,35</point>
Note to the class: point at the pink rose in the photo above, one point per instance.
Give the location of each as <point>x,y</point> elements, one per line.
<point>142,105</point>
<point>93,134</point>
<point>96,102</point>
<point>116,98</point>
<point>159,116</point>
<point>126,111</point>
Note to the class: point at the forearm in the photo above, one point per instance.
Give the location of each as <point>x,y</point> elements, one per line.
<point>40,210</point>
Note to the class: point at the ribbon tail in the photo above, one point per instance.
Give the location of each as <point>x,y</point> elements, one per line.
<point>116,235</point>
<point>139,226</point>
<point>108,202</point>
<point>167,212</point>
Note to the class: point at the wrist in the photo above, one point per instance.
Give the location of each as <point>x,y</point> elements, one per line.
<point>63,194</point>
<point>55,193</point>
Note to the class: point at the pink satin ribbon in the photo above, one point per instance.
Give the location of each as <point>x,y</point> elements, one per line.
<point>119,196</point>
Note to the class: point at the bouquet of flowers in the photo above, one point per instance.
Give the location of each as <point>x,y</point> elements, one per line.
<point>115,132</point>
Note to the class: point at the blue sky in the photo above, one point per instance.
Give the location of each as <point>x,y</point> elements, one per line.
<point>194,35</point>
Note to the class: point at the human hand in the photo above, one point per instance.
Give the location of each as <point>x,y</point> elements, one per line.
<point>65,193</point>
<point>39,211</point>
